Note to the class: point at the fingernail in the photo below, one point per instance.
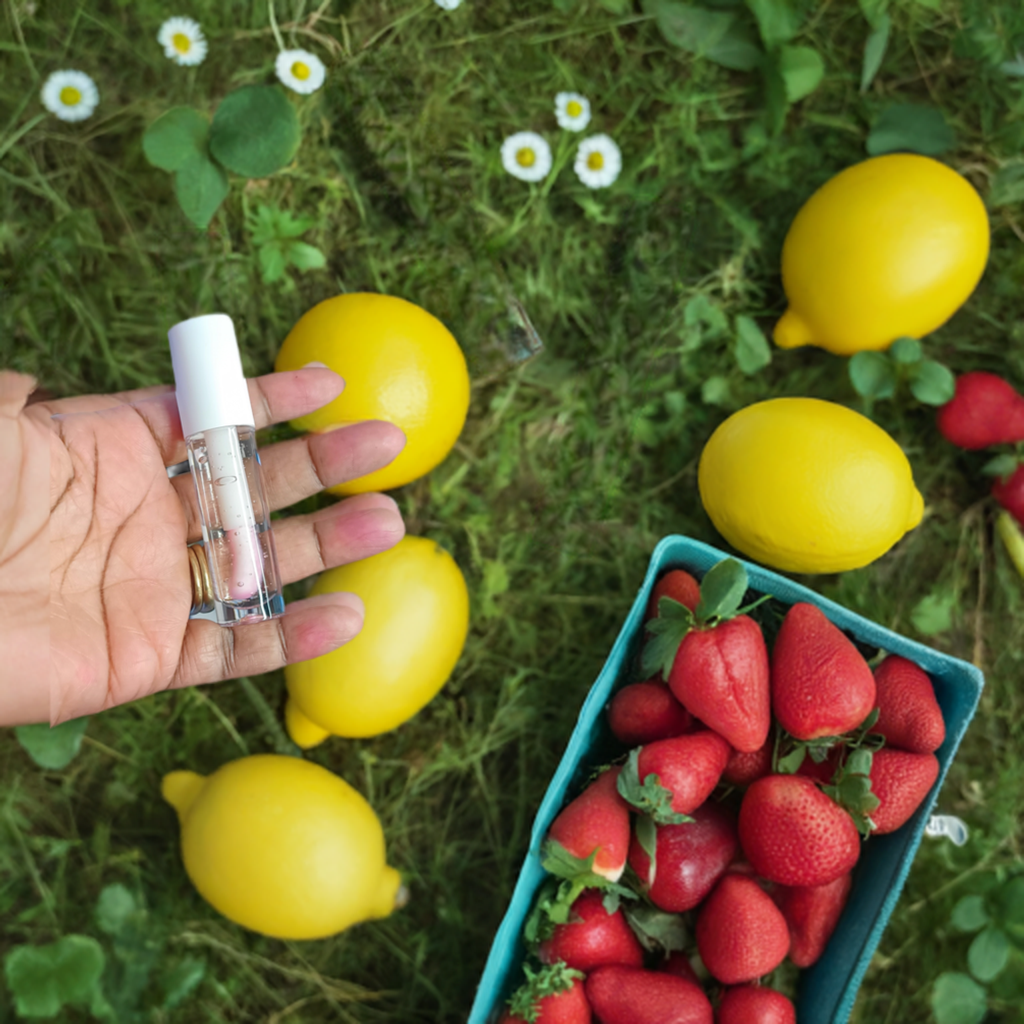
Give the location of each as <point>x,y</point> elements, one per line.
<point>306,366</point>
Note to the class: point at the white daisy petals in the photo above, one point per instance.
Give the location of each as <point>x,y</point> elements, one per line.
<point>572,111</point>
<point>448,5</point>
<point>71,95</point>
<point>300,70</point>
<point>598,161</point>
<point>526,156</point>
<point>183,41</point>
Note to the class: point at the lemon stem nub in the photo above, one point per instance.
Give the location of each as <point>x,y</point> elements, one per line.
<point>180,789</point>
<point>916,509</point>
<point>303,731</point>
<point>792,331</point>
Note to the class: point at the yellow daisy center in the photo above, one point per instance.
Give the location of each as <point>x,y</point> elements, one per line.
<point>595,161</point>
<point>300,70</point>
<point>574,108</point>
<point>181,42</point>
<point>70,96</point>
<point>526,157</point>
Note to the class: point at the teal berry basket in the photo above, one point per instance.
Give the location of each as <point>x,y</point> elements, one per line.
<point>828,989</point>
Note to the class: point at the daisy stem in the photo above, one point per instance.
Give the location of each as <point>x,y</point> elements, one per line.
<point>562,154</point>
<point>273,25</point>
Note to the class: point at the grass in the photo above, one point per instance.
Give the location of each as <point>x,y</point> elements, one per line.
<point>572,464</point>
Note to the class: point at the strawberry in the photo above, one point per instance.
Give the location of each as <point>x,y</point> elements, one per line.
<point>741,934</point>
<point>821,685</point>
<point>644,712</point>
<point>743,767</point>
<point>629,995</point>
<point>679,772</point>
<point>592,937</point>
<point>901,781</point>
<point>597,820</point>
<point>553,995</point>
<point>688,859</point>
<point>909,716</point>
<point>751,1004</point>
<point>793,834</point>
<point>812,913</point>
<point>678,963</point>
<point>677,584</point>
<point>1010,493</point>
<point>985,410</point>
<point>715,658</point>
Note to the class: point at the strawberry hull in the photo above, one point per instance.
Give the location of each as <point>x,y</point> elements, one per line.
<point>828,989</point>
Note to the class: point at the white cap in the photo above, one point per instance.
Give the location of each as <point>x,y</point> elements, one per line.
<point>208,377</point>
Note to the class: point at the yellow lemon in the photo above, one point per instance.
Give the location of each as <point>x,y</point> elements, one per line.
<point>807,486</point>
<point>283,847</point>
<point>400,364</point>
<point>888,248</point>
<point>417,618</point>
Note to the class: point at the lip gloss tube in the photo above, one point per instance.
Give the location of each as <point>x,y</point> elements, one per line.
<point>220,435</point>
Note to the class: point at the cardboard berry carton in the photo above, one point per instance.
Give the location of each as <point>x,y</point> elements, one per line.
<point>827,989</point>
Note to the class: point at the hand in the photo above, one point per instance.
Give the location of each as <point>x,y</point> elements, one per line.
<point>120,589</point>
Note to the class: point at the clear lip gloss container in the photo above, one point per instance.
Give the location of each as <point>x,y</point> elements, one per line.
<point>220,433</point>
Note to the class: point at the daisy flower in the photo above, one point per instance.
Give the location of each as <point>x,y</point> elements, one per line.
<point>526,156</point>
<point>71,95</point>
<point>572,111</point>
<point>448,5</point>
<point>598,161</point>
<point>183,41</point>
<point>300,70</point>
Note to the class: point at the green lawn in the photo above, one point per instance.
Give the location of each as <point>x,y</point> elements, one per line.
<point>572,464</point>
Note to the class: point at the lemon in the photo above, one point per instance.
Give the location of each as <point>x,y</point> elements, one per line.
<point>807,486</point>
<point>888,248</point>
<point>417,618</point>
<point>283,847</point>
<point>400,364</point>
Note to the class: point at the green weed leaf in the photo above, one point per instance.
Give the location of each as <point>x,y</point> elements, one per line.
<point>872,375</point>
<point>958,999</point>
<point>181,980</point>
<point>716,391</point>
<point>753,352</point>
<point>874,11</point>
<point>1007,186</point>
<point>305,257</point>
<point>932,383</point>
<point>200,186</point>
<point>617,6</point>
<point>52,748</point>
<point>969,914</point>
<point>905,351</point>
<point>272,262</point>
<point>255,131</point>
<point>933,614</point>
<point>874,51</point>
<point>802,70</point>
<point>1011,902</point>
<point>910,127</point>
<point>720,36</point>
<point>43,979</point>
<point>174,137</point>
<point>777,21</point>
<point>114,909</point>
<point>988,953</point>
<point>721,590</point>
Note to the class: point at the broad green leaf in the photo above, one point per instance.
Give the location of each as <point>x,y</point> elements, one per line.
<point>721,590</point>
<point>969,914</point>
<point>255,131</point>
<point>1007,186</point>
<point>777,21</point>
<point>305,257</point>
<point>874,11</point>
<point>52,748</point>
<point>114,909</point>
<point>272,262</point>
<point>802,70</point>
<point>932,383</point>
<point>565,6</point>
<point>933,614</point>
<point>872,375</point>
<point>174,137</point>
<point>905,351</point>
<point>720,36</point>
<point>43,979</point>
<point>716,391</point>
<point>617,6</point>
<point>874,51</point>
<point>181,980</point>
<point>1011,901</point>
<point>753,352</point>
<point>701,311</point>
<point>1013,68</point>
<point>200,186</point>
<point>988,953</point>
<point>958,999</point>
<point>910,127</point>
<point>776,96</point>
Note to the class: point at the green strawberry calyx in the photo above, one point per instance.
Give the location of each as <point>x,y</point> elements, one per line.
<point>649,797</point>
<point>548,981</point>
<point>851,789</point>
<point>789,752</point>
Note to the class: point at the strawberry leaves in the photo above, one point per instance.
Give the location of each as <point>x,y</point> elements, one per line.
<point>548,981</point>
<point>657,929</point>
<point>674,620</point>
<point>649,797</point>
<point>852,790</point>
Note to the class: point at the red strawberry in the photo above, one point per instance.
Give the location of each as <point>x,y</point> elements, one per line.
<point>741,934</point>
<point>554,995</point>
<point>720,675</point>
<point>743,767</point>
<point>821,686</point>
<point>644,712</point>
<point>985,410</point>
<point>678,963</point>
<point>628,995</point>
<point>598,819</point>
<point>901,781</point>
<point>592,937</point>
<point>793,834</point>
<point>688,858</point>
<point>751,1004</point>
<point>909,716</point>
<point>689,767</point>
<point>812,913</point>
<point>1010,493</point>
<point>677,584</point>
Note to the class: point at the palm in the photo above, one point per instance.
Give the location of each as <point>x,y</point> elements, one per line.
<point>120,589</point>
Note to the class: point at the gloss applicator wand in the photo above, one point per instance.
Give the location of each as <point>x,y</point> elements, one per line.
<point>220,435</point>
